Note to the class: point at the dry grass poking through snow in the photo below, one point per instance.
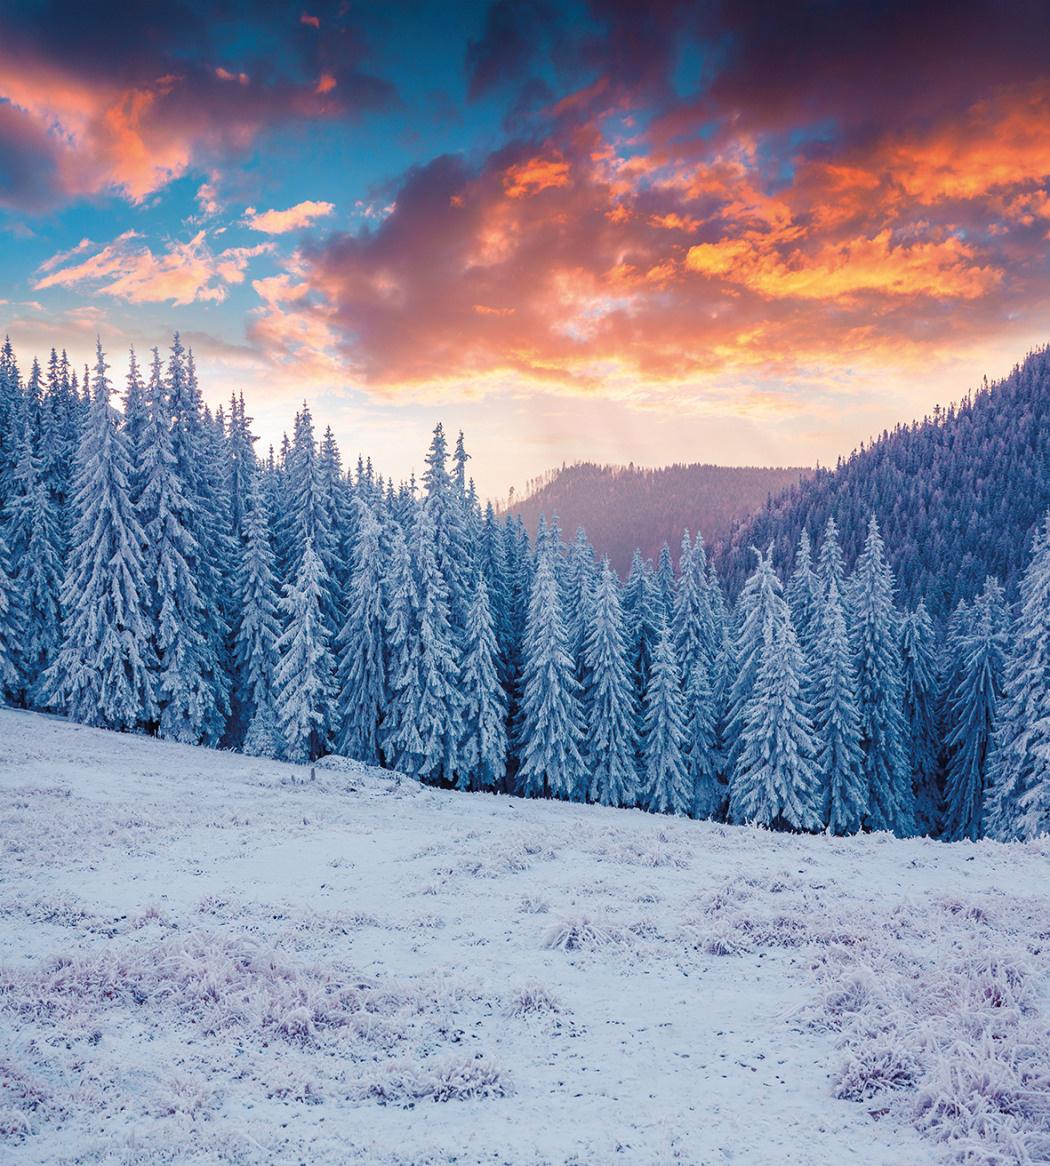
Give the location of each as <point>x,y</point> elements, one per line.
<point>205,957</point>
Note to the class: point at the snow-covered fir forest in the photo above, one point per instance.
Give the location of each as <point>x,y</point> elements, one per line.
<point>158,575</point>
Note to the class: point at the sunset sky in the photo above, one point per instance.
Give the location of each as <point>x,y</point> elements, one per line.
<point>743,233</point>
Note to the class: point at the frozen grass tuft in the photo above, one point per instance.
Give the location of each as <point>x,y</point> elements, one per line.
<point>532,998</point>
<point>448,1078</point>
<point>581,932</point>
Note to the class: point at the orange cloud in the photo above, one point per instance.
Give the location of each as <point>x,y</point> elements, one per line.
<point>1000,143</point>
<point>312,20</point>
<point>185,273</point>
<point>529,178</point>
<point>326,84</point>
<point>946,269</point>
<point>484,310</point>
<point>294,219</point>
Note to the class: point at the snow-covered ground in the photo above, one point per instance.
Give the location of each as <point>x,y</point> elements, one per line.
<point>207,957</point>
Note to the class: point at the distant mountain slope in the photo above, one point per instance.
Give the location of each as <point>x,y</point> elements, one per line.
<point>626,507</point>
<point>956,495</point>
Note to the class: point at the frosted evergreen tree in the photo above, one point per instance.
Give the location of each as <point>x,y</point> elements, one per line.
<point>612,718</point>
<point>484,748</point>
<point>836,717</point>
<point>919,672</point>
<point>642,624</point>
<point>665,582</point>
<point>102,675</point>
<point>701,752</point>
<point>399,730</point>
<point>303,678</point>
<point>580,579</point>
<point>551,725</point>
<point>308,518</point>
<point>257,631</point>
<point>831,566</point>
<point>775,780</point>
<point>182,684</point>
<point>242,466</point>
<point>803,594</point>
<point>753,612</point>
<point>209,555</point>
<point>10,408</point>
<point>11,628</point>
<point>1016,801</point>
<point>453,554</point>
<point>875,639</point>
<point>667,786</point>
<point>35,533</point>
<point>972,714</point>
<point>136,420</point>
<point>440,710</point>
<point>362,644</point>
<point>691,623</point>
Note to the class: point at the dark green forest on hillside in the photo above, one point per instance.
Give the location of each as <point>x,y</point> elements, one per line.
<point>624,507</point>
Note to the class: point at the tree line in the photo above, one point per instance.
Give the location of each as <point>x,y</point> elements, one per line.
<point>157,575</point>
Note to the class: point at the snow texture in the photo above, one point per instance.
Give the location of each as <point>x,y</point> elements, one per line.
<point>208,957</point>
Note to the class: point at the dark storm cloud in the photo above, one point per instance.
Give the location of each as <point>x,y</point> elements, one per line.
<point>134,94</point>
<point>27,161</point>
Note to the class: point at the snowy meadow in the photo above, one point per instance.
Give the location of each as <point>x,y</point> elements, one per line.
<point>206,956</point>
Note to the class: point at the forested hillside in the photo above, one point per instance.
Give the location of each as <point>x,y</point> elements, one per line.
<point>956,496</point>
<point>624,508</point>
<point>157,576</point>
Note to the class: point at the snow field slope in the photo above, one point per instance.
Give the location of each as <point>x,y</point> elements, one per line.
<point>208,957</point>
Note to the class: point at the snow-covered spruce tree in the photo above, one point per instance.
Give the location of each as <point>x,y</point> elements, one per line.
<point>257,632</point>
<point>836,718</point>
<point>691,622</point>
<point>579,580</point>
<point>438,708</point>
<point>775,780</point>
<point>1017,801</point>
<point>803,594</point>
<point>35,543</point>
<point>516,606</point>
<point>399,731</point>
<point>484,749</point>
<point>170,555</point>
<point>875,639</point>
<point>10,628</point>
<point>102,674</point>
<point>206,521</point>
<point>667,787</point>
<point>665,582</point>
<point>750,616</point>
<point>453,554</point>
<point>551,723</point>
<point>609,705</point>
<point>10,407</point>
<point>242,466</point>
<point>972,713</point>
<point>363,688</point>
<point>919,663</point>
<point>303,678</point>
<point>703,757</point>
<point>831,565</point>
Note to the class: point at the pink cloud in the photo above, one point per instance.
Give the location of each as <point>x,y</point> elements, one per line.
<point>183,273</point>
<point>294,219</point>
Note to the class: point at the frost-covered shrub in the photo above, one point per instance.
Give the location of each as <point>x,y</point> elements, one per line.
<point>531,998</point>
<point>580,931</point>
<point>448,1078</point>
<point>874,1067</point>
